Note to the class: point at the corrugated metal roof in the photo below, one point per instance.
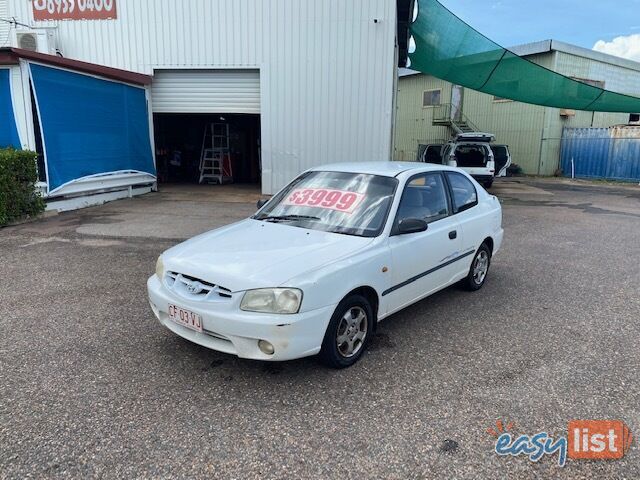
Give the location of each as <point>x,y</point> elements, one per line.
<point>406,72</point>
<point>10,56</point>
<point>558,46</point>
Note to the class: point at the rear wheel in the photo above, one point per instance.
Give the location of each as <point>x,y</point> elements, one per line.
<point>479,269</point>
<point>348,332</point>
<point>488,184</point>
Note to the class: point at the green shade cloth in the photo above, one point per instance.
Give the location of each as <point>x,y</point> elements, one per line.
<point>448,48</point>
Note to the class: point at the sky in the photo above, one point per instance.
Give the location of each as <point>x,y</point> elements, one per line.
<point>610,27</point>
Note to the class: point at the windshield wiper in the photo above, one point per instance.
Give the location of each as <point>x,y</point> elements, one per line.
<point>287,218</point>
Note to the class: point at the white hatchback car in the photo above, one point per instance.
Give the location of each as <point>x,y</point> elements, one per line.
<point>320,264</point>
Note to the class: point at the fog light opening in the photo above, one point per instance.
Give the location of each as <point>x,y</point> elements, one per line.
<point>266,347</point>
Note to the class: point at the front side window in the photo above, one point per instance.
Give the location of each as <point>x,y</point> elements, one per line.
<point>424,198</point>
<point>463,192</point>
<point>347,203</point>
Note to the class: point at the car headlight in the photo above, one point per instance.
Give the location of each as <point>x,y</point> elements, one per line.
<point>272,300</point>
<point>160,267</point>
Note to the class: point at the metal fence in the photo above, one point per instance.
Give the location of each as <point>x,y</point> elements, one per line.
<point>606,153</point>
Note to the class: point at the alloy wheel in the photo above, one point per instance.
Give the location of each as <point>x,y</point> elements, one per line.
<point>352,331</point>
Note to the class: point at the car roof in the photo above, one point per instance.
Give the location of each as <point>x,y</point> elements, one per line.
<point>477,136</point>
<point>385,169</point>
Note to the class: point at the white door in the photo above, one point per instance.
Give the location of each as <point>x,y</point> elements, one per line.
<point>206,91</point>
<point>465,208</point>
<point>457,95</point>
<point>422,262</point>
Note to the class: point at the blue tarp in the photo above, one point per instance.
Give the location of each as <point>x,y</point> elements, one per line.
<point>90,126</point>
<point>8,130</point>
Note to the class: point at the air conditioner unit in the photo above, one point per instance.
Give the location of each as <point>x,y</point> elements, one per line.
<point>41,40</point>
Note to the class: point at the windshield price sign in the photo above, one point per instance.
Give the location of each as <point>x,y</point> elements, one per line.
<point>339,200</point>
<point>74,9</point>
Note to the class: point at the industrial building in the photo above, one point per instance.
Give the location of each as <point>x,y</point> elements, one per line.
<point>271,87</point>
<point>430,110</point>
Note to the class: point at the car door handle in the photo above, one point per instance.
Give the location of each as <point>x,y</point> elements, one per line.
<point>453,235</point>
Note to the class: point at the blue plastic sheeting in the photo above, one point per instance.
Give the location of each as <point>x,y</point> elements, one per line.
<point>8,130</point>
<point>90,126</point>
<point>607,153</point>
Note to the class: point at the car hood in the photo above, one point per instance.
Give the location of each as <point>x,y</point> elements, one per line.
<point>254,254</point>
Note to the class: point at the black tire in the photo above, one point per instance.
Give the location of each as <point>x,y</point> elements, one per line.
<point>474,281</point>
<point>335,356</point>
<point>488,184</point>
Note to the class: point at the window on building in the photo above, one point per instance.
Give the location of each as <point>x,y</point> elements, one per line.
<point>634,118</point>
<point>593,83</point>
<point>431,98</point>
<point>501,100</point>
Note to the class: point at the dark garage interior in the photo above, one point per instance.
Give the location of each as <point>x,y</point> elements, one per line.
<point>180,142</point>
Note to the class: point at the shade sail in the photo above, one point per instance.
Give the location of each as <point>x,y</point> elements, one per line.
<point>450,49</point>
<point>90,126</point>
<point>8,130</point>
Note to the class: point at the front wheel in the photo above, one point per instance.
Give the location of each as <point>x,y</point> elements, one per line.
<point>348,332</point>
<point>479,269</point>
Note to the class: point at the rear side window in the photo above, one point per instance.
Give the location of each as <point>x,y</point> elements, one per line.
<point>463,192</point>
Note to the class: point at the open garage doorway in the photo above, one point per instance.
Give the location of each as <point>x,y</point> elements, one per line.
<point>181,141</point>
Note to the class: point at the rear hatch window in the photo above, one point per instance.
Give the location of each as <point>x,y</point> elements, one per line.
<point>471,156</point>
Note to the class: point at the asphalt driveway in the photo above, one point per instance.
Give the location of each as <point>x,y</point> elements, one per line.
<point>92,386</point>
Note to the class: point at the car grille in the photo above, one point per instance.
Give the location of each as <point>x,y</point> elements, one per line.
<point>196,289</point>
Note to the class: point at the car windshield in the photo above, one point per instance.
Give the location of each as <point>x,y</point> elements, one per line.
<point>337,202</point>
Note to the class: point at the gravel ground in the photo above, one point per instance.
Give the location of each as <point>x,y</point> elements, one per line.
<point>92,386</point>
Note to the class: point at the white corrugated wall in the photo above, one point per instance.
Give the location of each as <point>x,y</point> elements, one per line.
<point>4,26</point>
<point>326,68</point>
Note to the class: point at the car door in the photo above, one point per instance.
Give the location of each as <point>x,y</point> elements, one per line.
<point>502,159</point>
<point>464,198</point>
<point>421,261</point>
<point>433,154</point>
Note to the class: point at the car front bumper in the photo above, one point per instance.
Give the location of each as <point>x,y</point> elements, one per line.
<point>228,329</point>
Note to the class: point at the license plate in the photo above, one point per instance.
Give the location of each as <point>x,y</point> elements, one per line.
<point>186,318</point>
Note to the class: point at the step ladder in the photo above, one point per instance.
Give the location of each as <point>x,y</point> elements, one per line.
<point>215,159</point>
<point>211,166</point>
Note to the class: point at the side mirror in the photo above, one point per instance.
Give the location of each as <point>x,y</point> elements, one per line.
<point>261,203</point>
<point>412,225</point>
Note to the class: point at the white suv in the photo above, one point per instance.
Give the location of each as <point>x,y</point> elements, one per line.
<point>473,153</point>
